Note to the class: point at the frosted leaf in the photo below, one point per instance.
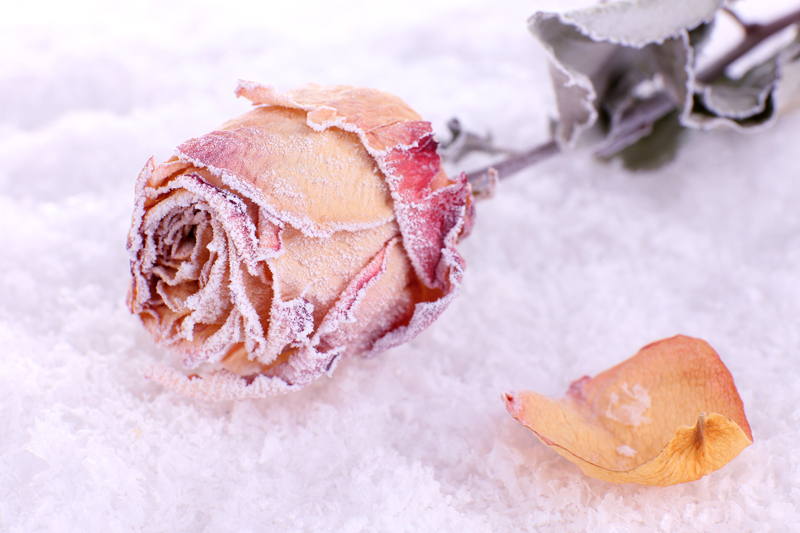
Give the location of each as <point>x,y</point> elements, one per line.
<point>748,101</point>
<point>787,94</point>
<point>638,23</point>
<point>627,68</point>
<point>650,151</point>
<point>616,58</point>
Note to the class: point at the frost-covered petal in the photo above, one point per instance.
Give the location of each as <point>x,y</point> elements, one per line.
<point>379,299</point>
<point>349,108</point>
<point>428,204</point>
<point>217,385</point>
<point>319,268</point>
<point>319,183</point>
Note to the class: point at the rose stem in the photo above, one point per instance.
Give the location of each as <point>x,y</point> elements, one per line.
<point>754,35</point>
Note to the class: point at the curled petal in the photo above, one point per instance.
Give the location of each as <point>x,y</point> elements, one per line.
<point>668,415</point>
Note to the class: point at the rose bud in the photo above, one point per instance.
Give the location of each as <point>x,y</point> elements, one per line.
<point>319,224</point>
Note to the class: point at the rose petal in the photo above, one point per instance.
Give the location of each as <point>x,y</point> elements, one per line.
<point>366,109</point>
<point>217,385</point>
<point>430,221</point>
<point>379,299</point>
<point>320,268</point>
<point>668,415</point>
<point>319,182</point>
<point>429,206</point>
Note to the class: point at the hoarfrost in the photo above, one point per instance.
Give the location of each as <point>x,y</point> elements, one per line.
<point>629,409</point>
<point>627,451</point>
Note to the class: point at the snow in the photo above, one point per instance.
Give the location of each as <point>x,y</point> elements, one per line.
<point>571,268</point>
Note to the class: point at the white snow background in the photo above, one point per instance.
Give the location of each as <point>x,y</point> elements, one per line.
<point>573,266</point>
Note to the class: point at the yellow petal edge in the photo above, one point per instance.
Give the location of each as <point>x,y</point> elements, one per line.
<point>670,414</point>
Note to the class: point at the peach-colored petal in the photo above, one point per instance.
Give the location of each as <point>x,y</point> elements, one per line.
<point>349,108</point>
<point>668,415</point>
<point>321,267</point>
<point>333,338</point>
<point>319,182</point>
<point>427,203</point>
<point>217,385</point>
<point>377,302</point>
<point>351,324</point>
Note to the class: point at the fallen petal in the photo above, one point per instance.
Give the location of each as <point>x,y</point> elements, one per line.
<point>668,415</point>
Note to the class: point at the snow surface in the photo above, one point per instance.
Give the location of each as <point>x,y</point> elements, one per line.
<point>573,266</point>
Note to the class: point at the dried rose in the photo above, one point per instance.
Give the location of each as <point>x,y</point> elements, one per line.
<point>670,414</point>
<point>317,225</point>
